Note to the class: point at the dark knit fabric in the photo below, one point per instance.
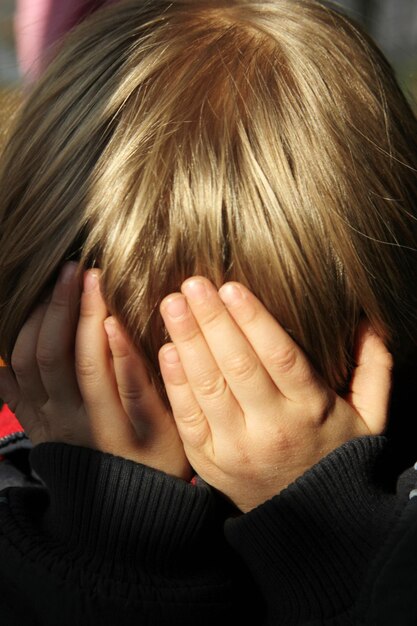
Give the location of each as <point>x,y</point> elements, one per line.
<point>112,542</point>
<point>315,541</point>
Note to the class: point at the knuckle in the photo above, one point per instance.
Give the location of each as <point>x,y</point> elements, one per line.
<point>241,367</point>
<point>87,310</point>
<point>208,318</point>
<point>132,395</point>
<point>211,317</point>
<point>278,442</point>
<point>91,306</point>
<point>192,417</point>
<point>189,336</point>
<point>283,360</point>
<point>42,422</point>
<point>281,445</point>
<point>210,386</point>
<point>194,422</point>
<point>86,367</point>
<point>46,359</point>
<point>319,408</point>
<point>120,349</point>
<point>250,316</point>
<point>240,454</point>
<point>59,301</point>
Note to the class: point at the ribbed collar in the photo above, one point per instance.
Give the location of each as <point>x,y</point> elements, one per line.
<point>310,547</point>
<point>122,519</point>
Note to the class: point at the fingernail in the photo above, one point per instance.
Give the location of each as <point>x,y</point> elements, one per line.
<point>195,289</point>
<point>170,355</point>
<point>67,272</point>
<point>230,294</point>
<point>110,327</point>
<point>90,281</point>
<point>176,306</point>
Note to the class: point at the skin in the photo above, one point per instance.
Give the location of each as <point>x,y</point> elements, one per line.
<point>249,413</point>
<point>76,383</point>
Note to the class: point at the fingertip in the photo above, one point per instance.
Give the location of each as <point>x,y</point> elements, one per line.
<point>120,345</point>
<point>171,367</point>
<point>67,282</point>
<point>91,280</point>
<point>192,279</point>
<point>174,307</point>
<point>168,298</point>
<point>199,290</point>
<point>372,378</point>
<point>241,303</point>
<point>371,347</point>
<point>232,293</point>
<point>68,272</point>
<point>110,326</point>
<point>92,301</point>
<point>63,291</point>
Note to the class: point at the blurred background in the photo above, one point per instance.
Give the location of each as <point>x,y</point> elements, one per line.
<point>393,23</point>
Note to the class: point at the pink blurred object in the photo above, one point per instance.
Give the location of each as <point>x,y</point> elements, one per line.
<point>41,23</point>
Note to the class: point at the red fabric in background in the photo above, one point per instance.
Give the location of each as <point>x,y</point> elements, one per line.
<point>8,422</point>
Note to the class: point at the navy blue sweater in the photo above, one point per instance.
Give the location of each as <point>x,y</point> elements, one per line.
<point>107,541</point>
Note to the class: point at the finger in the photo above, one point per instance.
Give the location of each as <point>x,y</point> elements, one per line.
<point>204,376</point>
<point>372,379</point>
<point>56,343</point>
<point>9,390</point>
<point>93,360</point>
<point>138,396</point>
<point>232,351</point>
<point>94,366</point>
<point>192,424</point>
<point>282,358</point>
<point>24,362</point>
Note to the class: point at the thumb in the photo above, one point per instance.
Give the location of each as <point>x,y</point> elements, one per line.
<point>371,381</point>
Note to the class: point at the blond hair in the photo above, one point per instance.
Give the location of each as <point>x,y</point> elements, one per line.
<point>265,142</point>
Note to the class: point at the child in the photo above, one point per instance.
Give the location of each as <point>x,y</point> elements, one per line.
<point>267,144</point>
<point>109,515</point>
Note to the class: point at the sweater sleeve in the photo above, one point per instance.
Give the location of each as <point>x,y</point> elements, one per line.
<point>114,542</point>
<point>311,548</point>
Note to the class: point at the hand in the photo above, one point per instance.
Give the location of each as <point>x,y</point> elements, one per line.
<point>251,411</point>
<point>67,388</point>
